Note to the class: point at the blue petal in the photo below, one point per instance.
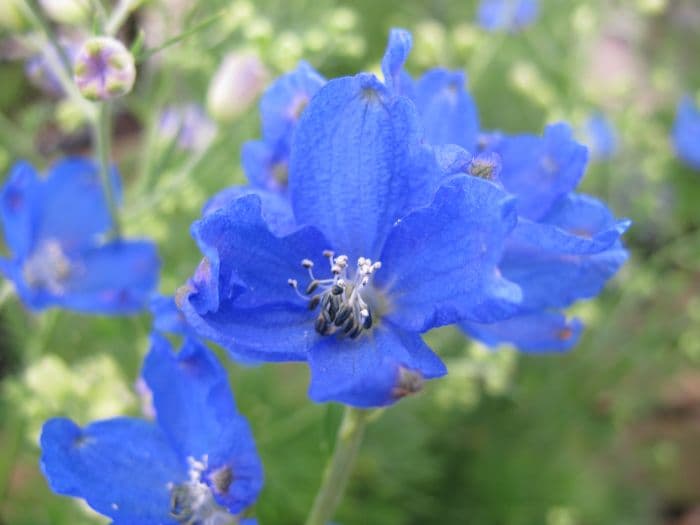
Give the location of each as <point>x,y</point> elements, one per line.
<point>439,261</point>
<point>276,209</point>
<point>447,110</point>
<point>115,278</point>
<point>18,208</point>
<point>285,100</point>
<point>266,165</point>
<point>569,256</point>
<point>600,136</point>
<point>686,130</point>
<point>357,164</point>
<point>577,224</point>
<point>541,170</point>
<point>121,467</point>
<point>540,332</point>
<point>395,56</point>
<point>242,251</point>
<point>368,372</point>
<point>195,408</point>
<point>72,207</point>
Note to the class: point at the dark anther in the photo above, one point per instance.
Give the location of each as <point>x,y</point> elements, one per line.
<point>313,303</point>
<point>349,325</point>
<point>321,325</point>
<point>367,324</point>
<point>342,315</point>
<point>312,286</point>
<point>333,305</point>
<point>337,289</point>
<point>356,332</point>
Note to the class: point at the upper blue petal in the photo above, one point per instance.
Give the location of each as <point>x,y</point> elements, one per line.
<point>600,136</point>
<point>539,332</point>
<point>395,56</point>
<point>440,261</point>
<point>539,170</point>
<point>357,164</point>
<point>369,372</point>
<point>686,132</point>
<point>121,467</point>
<point>72,207</point>
<point>195,408</point>
<point>447,110</point>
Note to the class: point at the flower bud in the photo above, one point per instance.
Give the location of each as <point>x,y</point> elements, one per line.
<point>104,69</point>
<point>11,15</point>
<point>74,12</point>
<point>241,77</point>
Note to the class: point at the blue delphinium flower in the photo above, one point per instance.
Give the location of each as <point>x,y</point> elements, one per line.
<point>686,132</point>
<point>600,137</point>
<point>507,15</point>
<point>55,228</point>
<point>565,246</point>
<point>196,464</point>
<point>387,247</point>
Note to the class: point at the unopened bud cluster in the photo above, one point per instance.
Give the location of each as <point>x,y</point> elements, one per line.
<point>104,69</point>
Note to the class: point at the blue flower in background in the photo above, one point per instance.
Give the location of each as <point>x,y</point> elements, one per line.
<point>600,137</point>
<point>55,228</point>
<point>197,463</point>
<point>565,246</point>
<point>388,246</point>
<point>686,132</point>
<point>507,15</point>
<point>188,126</point>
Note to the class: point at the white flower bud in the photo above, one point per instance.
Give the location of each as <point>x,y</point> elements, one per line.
<point>74,12</point>
<point>241,77</point>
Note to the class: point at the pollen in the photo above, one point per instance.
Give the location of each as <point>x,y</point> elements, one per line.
<point>342,309</point>
<point>48,268</point>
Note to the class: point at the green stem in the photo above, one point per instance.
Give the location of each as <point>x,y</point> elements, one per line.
<point>338,470</point>
<point>119,15</point>
<point>103,131</point>
<point>5,292</point>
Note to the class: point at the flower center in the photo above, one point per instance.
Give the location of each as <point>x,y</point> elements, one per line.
<point>48,267</point>
<point>192,502</point>
<point>342,307</point>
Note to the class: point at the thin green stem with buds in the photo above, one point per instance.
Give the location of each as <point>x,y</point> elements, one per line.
<point>103,133</point>
<point>340,466</point>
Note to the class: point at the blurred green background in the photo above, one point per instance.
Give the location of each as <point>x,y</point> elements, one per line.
<point>606,434</point>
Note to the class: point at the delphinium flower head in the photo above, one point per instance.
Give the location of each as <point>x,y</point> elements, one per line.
<point>56,230</point>
<point>188,125</point>
<point>686,132</point>
<point>388,244</point>
<point>565,246</point>
<point>235,85</point>
<point>104,69</point>
<point>507,15</point>
<point>599,135</point>
<point>195,464</point>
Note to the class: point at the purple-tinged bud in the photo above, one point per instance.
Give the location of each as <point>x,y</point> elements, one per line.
<point>189,125</point>
<point>104,69</point>
<point>241,77</point>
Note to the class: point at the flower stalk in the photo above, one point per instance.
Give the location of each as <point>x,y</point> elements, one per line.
<point>340,466</point>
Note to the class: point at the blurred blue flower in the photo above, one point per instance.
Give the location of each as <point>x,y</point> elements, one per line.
<point>686,132</point>
<point>364,188</point>
<point>565,246</point>
<point>599,135</point>
<point>55,228</point>
<point>448,112</point>
<point>507,15</point>
<point>197,463</point>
